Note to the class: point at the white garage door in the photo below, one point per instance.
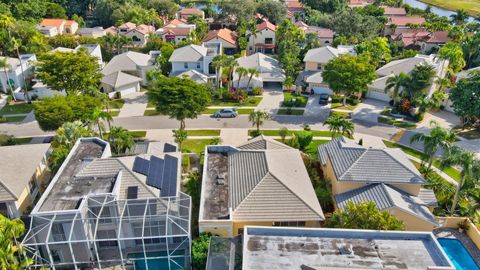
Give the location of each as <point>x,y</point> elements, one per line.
<point>322,90</point>
<point>378,96</point>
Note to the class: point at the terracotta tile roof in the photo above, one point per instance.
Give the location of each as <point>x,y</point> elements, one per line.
<point>403,21</point>
<point>111,30</point>
<point>224,33</point>
<point>69,22</point>
<point>128,25</point>
<point>187,11</point>
<point>321,32</point>
<point>53,22</point>
<point>177,31</point>
<point>439,37</point>
<point>411,37</point>
<point>144,29</point>
<point>394,11</point>
<point>294,5</point>
<point>266,24</point>
<point>175,22</point>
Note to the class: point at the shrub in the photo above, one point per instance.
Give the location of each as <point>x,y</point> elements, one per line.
<point>255,133</point>
<point>3,119</point>
<point>9,99</point>
<point>257,91</point>
<point>404,106</point>
<point>283,132</point>
<point>118,95</point>
<point>306,127</point>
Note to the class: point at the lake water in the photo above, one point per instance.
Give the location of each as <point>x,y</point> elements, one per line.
<point>436,10</point>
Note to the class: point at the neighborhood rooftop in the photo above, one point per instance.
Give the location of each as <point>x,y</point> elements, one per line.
<point>315,249</point>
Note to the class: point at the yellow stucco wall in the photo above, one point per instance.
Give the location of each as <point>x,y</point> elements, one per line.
<point>222,228</point>
<point>24,201</point>
<point>412,223</point>
<point>311,66</point>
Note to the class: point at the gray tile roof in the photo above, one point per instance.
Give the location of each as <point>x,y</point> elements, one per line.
<point>189,53</point>
<point>262,142</point>
<point>17,168</point>
<point>269,68</point>
<point>386,197</point>
<point>119,79</point>
<point>428,197</point>
<point>321,55</point>
<point>355,163</point>
<point>129,61</point>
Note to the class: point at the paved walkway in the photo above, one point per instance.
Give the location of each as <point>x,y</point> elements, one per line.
<point>135,105</point>
<point>234,136</point>
<point>369,110</point>
<point>163,135</point>
<point>272,100</point>
<point>445,119</point>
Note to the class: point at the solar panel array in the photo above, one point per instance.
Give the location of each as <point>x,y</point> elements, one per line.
<point>169,183</point>
<point>167,148</point>
<point>155,172</point>
<point>141,165</point>
<point>161,173</point>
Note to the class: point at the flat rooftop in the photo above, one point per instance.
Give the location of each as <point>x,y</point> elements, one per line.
<point>68,190</point>
<point>300,248</point>
<point>216,187</point>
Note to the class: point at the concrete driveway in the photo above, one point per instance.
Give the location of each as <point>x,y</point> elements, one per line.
<point>135,105</point>
<point>272,100</point>
<point>369,110</point>
<point>445,119</point>
<point>313,109</point>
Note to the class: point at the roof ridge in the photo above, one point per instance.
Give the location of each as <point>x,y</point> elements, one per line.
<point>8,190</point>
<point>351,165</point>
<point>403,165</point>
<point>383,186</point>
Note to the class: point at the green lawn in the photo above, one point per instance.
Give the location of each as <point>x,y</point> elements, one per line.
<point>9,119</point>
<point>21,108</point>
<point>450,171</point>
<point>135,134</point>
<point>150,105</point>
<point>239,111</point>
<point>4,138</point>
<point>195,145</point>
<point>300,101</point>
<point>114,113</point>
<point>312,147</point>
<point>471,6</point>
<point>400,124</point>
<point>341,107</point>
<point>340,114</point>
<point>290,112</point>
<point>116,103</point>
<point>275,132</point>
<point>203,132</point>
<point>248,102</point>
<point>151,113</point>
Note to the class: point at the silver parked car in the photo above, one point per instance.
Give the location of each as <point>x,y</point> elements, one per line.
<point>230,113</point>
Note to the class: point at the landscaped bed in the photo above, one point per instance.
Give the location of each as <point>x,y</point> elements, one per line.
<point>290,112</point>
<point>340,114</point>
<point>9,119</point>
<point>7,140</point>
<point>151,113</point>
<point>312,148</point>
<point>397,123</point>
<point>19,108</point>
<point>351,103</point>
<point>290,99</point>
<point>116,103</point>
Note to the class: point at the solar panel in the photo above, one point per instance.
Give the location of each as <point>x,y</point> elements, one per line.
<point>132,192</point>
<point>169,183</point>
<point>155,172</point>
<point>141,165</point>
<point>169,148</point>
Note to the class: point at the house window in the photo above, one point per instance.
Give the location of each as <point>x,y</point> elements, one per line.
<point>198,65</point>
<point>319,66</point>
<point>57,232</point>
<point>4,210</point>
<point>136,39</point>
<point>268,40</point>
<point>185,65</point>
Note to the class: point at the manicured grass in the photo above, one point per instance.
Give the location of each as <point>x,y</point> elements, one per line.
<point>24,140</point>
<point>195,145</point>
<point>450,171</point>
<point>290,112</point>
<point>470,135</point>
<point>239,111</point>
<point>21,108</point>
<point>150,105</point>
<point>116,103</point>
<point>341,107</point>
<point>151,113</point>
<point>400,124</point>
<point>248,102</point>
<point>138,133</point>
<point>203,132</point>
<point>312,147</point>
<point>275,132</point>
<point>301,101</point>
<point>10,119</point>
<point>471,6</point>
<point>114,113</point>
<point>340,114</point>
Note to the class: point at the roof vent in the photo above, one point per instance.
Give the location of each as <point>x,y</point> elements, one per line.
<point>346,250</point>
<point>220,180</point>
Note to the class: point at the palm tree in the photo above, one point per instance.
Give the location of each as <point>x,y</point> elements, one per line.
<point>125,41</point>
<point>436,139</point>
<point>4,64</point>
<point>96,118</point>
<point>395,84</point>
<point>120,140</point>
<point>15,45</point>
<point>460,17</point>
<point>217,63</point>
<point>241,72</point>
<point>252,72</point>
<point>456,156</point>
<point>69,133</point>
<point>339,125</point>
<point>258,117</point>
<point>230,64</point>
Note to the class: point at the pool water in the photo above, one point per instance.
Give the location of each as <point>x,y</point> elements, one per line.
<point>159,264</point>
<point>458,254</point>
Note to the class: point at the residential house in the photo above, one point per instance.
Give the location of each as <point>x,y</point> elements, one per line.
<point>420,39</point>
<point>112,212</point>
<point>120,82</point>
<point>383,176</point>
<point>322,248</point>
<point>11,77</point>
<point>264,40</point>
<point>91,49</point>
<point>23,174</point>
<point>133,63</point>
<point>125,28</point>
<point>195,76</point>
<point>324,35</point>
<point>227,37</point>
<point>401,22</point>
<point>376,89</point>
<point>140,34</point>
<point>53,27</point>
<point>185,13</point>
<point>271,75</point>
<point>294,6</point>
<point>262,182</point>
<point>95,32</point>
<point>112,30</point>
<point>195,57</point>
<point>176,31</point>
<point>394,11</point>
<point>315,61</point>
<point>359,3</point>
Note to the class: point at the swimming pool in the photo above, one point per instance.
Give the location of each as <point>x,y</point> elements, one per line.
<point>458,254</point>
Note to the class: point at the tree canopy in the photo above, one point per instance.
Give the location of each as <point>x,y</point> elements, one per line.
<point>75,73</point>
<point>179,98</point>
<point>274,12</point>
<point>465,97</point>
<point>364,216</point>
<point>377,49</point>
<point>289,41</point>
